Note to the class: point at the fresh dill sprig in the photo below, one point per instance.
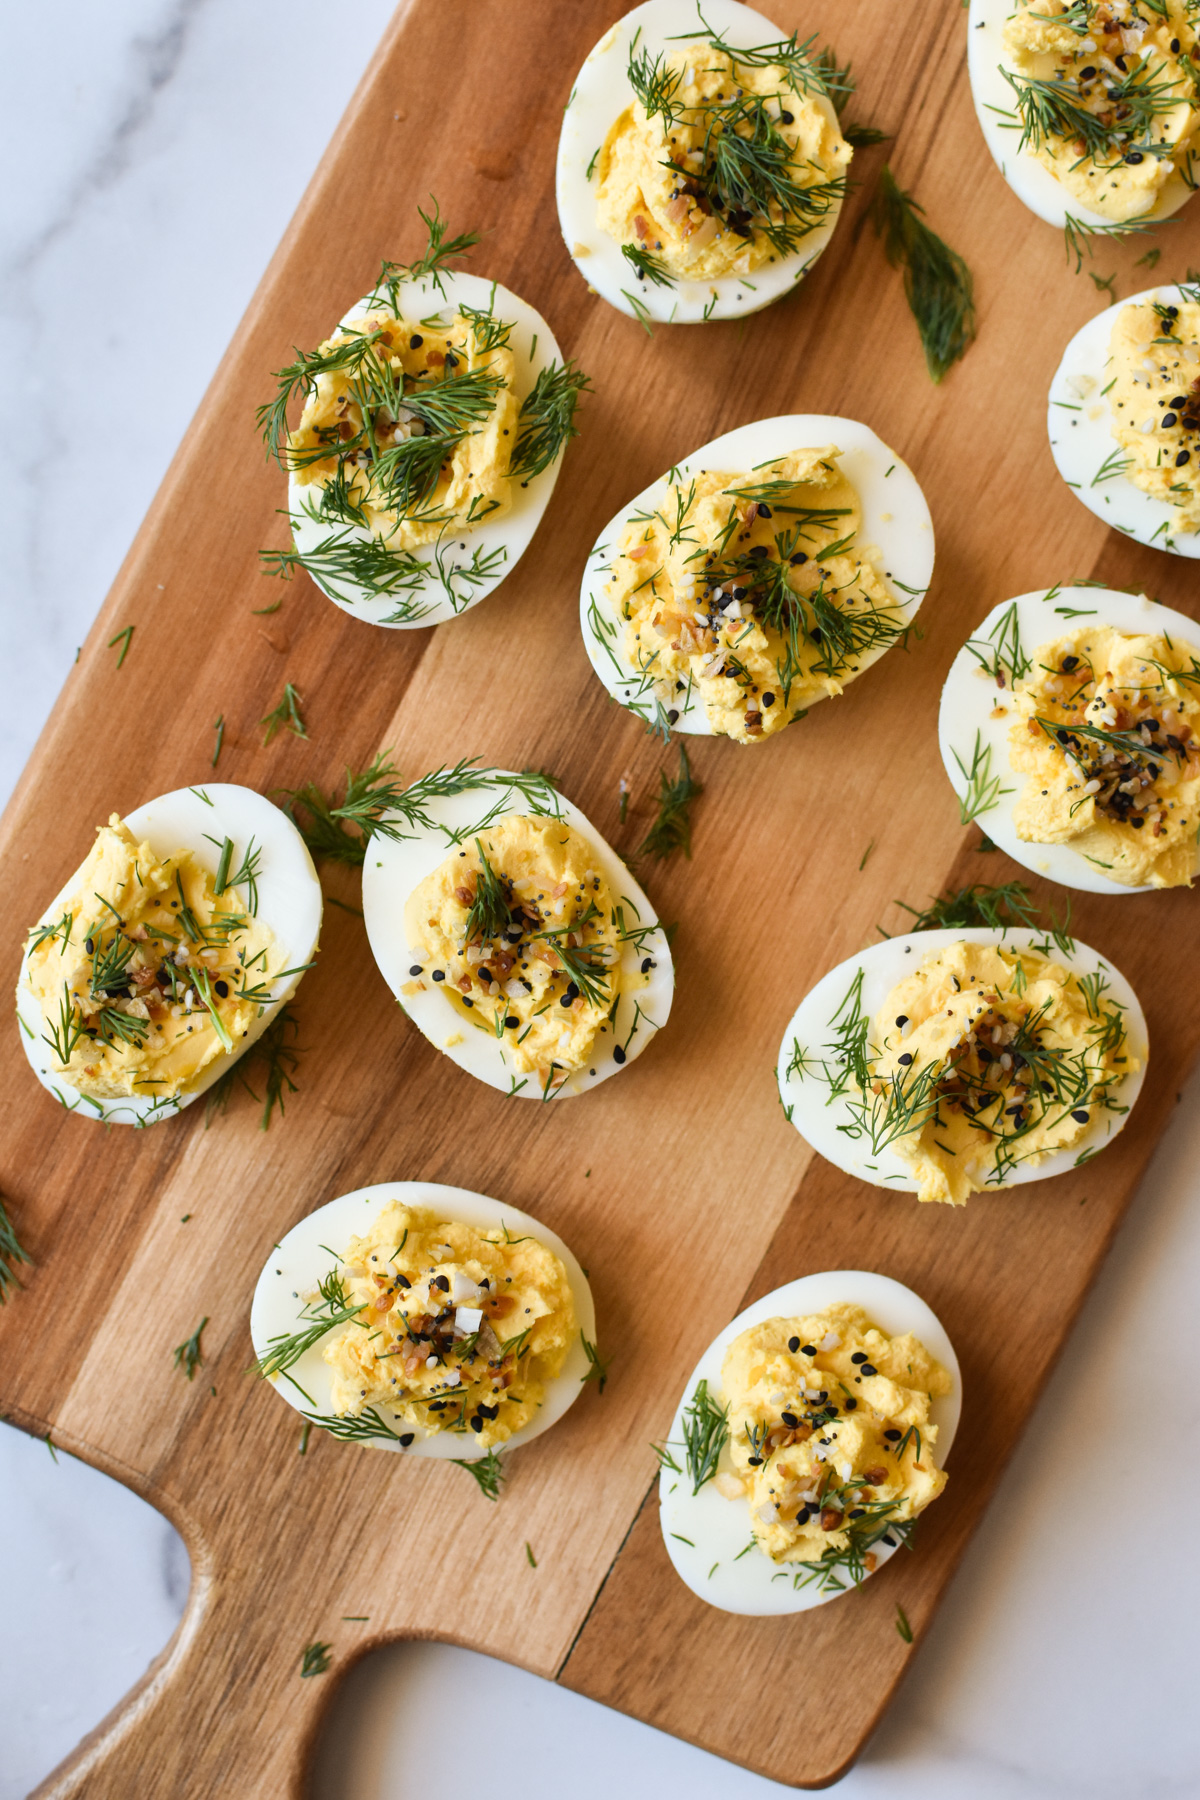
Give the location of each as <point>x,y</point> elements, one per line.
<point>1002,653</point>
<point>46,934</point>
<point>299,378</point>
<point>219,729</point>
<point>434,261</point>
<point>286,713</point>
<point>582,963</point>
<point>902,1624</point>
<point>66,1031</point>
<point>1079,237</point>
<point>546,422</point>
<point>876,1523</point>
<point>487,1472</point>
<point>597,1364</point>
<point>672,829</point>
<point>937,282</point>
<point>999,908</point>
<point>124,638</point>
<point>490,333</point>
<point>705,1435</point>
<point>984,790</point>
<point>359,1428</point>
<point>11,1251</point>
<point>314,1660</point>
<point>188,1356</point>
<point>650,267</point>
<point>491,911</point>
<point>378,791</point>
<point>1054,109</point>
<point>278,1053</point>
<point>333,1308</point>
<point>342,562</point>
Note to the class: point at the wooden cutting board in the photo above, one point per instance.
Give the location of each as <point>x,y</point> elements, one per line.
<point>680,1186</point>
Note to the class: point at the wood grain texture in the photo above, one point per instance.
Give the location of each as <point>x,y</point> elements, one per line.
<point>680,1186</point>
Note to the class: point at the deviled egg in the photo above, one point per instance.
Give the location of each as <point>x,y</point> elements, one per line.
<point>412,1316</point>
<point>1070,728</point>
<point>514,938</point>
<point>945,1063</point>
<point>1088,106</point>
<point>811,1435</point>
<point>701,165</point>
<point>168,952</point>
<point>1124,417</point>
<point>762,575</point>
<point>433,426</point>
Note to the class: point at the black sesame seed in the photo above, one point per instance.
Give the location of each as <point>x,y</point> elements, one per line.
<point>416,969</point>
<point>407,1438</point>
<point>849,1405</point>
<point>905,1059</point>
<point>439,974</point>
<point>511,1023</point>
<point>618,1054</point>
<point>892,1435</point>
<point>869,1369</point>
<point>1080,1116</point>
<point>858,1356</point>
<point>415,342</point>
<point>476,1423</point>
<point>787,118</point>
<point>755,1462</point>
<point>1179,401</point>
<point>441,1281</point>
<point>1184,456</point>
<point>648,963</point>
<point>803,1516</point>
<point>1169,419</point>
<point>222,988</point>
<point>808,1349</point>
<point>1134,156</point>
<point>856,1512</point>
<point>793,1344</point>
<point>790,1420</point>
<point>902,1019</point>
<point>672,716</point>
<point>768,699</point>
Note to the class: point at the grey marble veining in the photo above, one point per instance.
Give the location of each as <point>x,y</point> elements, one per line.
<point>160,147</point>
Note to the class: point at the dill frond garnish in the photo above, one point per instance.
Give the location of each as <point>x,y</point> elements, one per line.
<point>902,1624</point>
<point>491,910</point>
<point>672,829</point>
<point>314,1660</point>
<point>333,1308</point>
<point>876,1523</point>
<point>276,1051</point>
<point>434,261</point>
<point>1054,109</point>
<point>47,934</point>
<point>1080,238</point>
<point>937,282</point>
<point>1002,653</point>
<point>11,1251</point>
<point>597,1365</point>
<point>984,790</point>
<point>996,907</point>
<point>487,1472</point>
<point>124,638</point>
<point>219,729</point>
<point>582,963</point>
<point>361,1428</point>
<point>650,267</point>
<point>342,562</point>
<point>66,1031</point>
<point>377,801</point>
<point>286,713</point>
<point>188,1356</point>
<point>705,1435</point>
<point>546,422</point>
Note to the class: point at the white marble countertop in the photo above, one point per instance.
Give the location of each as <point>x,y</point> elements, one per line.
<point>147,137</point>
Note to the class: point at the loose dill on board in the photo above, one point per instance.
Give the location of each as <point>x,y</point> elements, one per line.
<point>672,829</point>
<point>286,713</point>
<point>937,282</point>
<point>12,1251</point>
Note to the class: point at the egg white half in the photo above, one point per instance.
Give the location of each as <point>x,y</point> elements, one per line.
<point>1081,440</point>
<point>700,1530</point>
<point>394,868</point>
<point>819,1119</point>
<point>1032,183</point>
<point>896,537</point>
<point>298,1263</point>
<point>289,902</point>
<point>970,695</point>
<point>534,347</point>
<point>599,97</point>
